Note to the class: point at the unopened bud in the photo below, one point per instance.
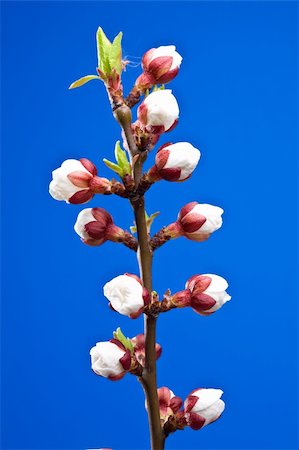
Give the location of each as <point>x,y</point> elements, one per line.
<point>159,111</point>
<point>203,406</point>
<point>198,221</point>
<point>207,293</point>
<point>95,226</point>
<point>176,162</point>
<point>160,66</point>
<point>110,359</point>
<point>76,181</point>
<point>127,295</point>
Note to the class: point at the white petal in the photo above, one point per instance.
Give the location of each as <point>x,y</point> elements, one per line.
<point>162,109</point>
<point>105,358</point>
<point>72,165</point>
<point>213,412</point>
<point>168,50</point>
<point>213,216</point>
<point>206,397</point>
<point>124,294</point>
<point>85,216</point>
<point>61,188</point>
<point>221,298</point>
<point>217,284</point>
<point>184,156</point>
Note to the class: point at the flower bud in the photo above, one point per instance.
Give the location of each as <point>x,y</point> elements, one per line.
<point>208,293</point>
<point>160,65</point>
<point>139,348</point>
<point>127,295</point>
<point>203,406</point>
<point>110,359</point>
<point>95,226</point>
<point>198,221</point>
<point>75,181</point>
<point>176,162</point>
<point>159,111</point>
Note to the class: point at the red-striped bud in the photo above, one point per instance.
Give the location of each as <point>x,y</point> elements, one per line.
<point>76,181</point>
<point>160,66</point>
<point>95,226</point>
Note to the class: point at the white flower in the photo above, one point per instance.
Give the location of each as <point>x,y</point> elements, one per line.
<point>64,185</point>
<point>176,162</point>
<point>105,360</point>
<point>203,406</point>
<point>126,295</point>
<point>159,109</point>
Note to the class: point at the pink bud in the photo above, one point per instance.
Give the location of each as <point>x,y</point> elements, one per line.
<point>160,65</point>
<point>176,162</point>
<point>203,406</point>
<point>95,226</point>
<point>208,293</point>
<point>110,359</point>
<point>159,111</point>
<point>198,221</point>
<point>76,181</point>
<point>139,348</point>
<point>127,295</point>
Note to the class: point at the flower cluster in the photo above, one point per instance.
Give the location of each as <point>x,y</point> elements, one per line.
<point>205,294</point>
<point>77,182</point>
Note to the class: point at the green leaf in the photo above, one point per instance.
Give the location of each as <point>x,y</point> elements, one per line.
<point>113,166</point>
<point>115,54</point>
<point>127,343</point>
<point>109,54</point>
<point>83,80</point>
<point>103,48</point>
<point>122,160</point>
<point>150,219</point>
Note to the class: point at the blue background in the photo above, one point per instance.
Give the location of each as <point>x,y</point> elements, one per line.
<point>237,94</point>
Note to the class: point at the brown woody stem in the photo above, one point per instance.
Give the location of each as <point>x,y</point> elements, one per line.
<point>148,378</point>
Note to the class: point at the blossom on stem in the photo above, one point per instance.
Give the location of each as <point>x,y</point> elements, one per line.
<point>76,181</point>
<point>127,295</point>
<point>110,359</point>
<point>139,348</point>
<point>160,65</point>
<point>195,221</point>
<point>198,221</point>
<point>175,162</point>
<point>208,293</point>
<point>203,406</point>
<point>204,293</point>
<point>95,226</point>
<point>159,111</point>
